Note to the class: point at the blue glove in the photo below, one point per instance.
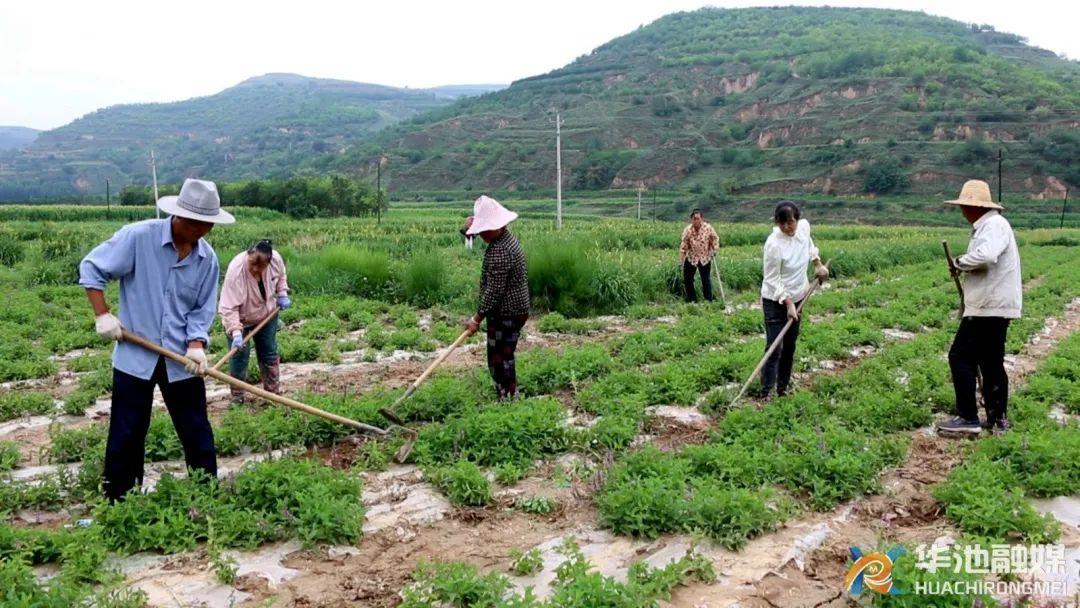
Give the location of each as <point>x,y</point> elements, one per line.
<point>283,302</point>
<point>238,340</point>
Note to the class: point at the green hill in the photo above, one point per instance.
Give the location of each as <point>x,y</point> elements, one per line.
<point>263,127</point>
<point>762,101</point>
<point>13,138</point>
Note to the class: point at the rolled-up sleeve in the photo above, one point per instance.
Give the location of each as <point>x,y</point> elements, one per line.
<point>282,286</point>
<point>232,296</point>
<point>772,274</point>
<point>110,260</point>
<point>200,317</point>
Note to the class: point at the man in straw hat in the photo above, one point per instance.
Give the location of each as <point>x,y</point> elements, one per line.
<point>168,289</point>
<point>504,291</point>
<point>992,297</point>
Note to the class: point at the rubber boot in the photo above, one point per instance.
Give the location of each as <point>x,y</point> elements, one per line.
<point>271,377</point>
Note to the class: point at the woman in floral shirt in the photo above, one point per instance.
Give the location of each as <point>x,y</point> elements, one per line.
<point>699,244</point>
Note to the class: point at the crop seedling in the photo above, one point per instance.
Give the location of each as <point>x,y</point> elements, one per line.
<point>463,483</point>
<point>9,455</point>
<point>525,563</point>
<point>536,505</point>
<point>509,473</point>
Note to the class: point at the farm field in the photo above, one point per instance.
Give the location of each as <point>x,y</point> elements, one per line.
<point>621,479</point>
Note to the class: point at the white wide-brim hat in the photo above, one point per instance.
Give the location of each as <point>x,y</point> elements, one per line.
<point>198,200</point>
<point>975,193</point>
<point>488,214</point>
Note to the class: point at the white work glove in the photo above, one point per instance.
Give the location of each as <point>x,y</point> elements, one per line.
<point>198,360</point>
<point>108,326</point>
<point>237,340</point>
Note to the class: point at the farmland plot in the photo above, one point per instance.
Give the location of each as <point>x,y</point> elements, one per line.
<point>623,447</point>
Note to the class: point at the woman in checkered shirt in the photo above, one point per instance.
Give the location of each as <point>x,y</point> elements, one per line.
<point>504,291</point>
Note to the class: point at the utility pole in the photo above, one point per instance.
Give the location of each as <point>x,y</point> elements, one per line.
<point>378,191</point>
<point>639,202</point>
<point>1063,205</point>
<point>999,176</point>
<point>558,171</point>
<point>153,172</point>
<point>108,200</point>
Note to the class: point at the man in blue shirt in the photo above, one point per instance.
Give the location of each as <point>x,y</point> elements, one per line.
<point>168,293</point>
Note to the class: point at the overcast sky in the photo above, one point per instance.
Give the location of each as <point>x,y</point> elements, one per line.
<point>60,60</point>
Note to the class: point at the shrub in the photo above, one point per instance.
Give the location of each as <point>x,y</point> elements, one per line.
<point>884,176</point>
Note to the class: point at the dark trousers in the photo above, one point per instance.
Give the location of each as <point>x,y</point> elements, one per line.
<point>130,419</point>
<point>502,338</point>
<point>688,280</point>
<point>777,370</point>
<point>979,346</point>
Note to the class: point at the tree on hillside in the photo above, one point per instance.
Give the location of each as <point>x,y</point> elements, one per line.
<point>884,176</point>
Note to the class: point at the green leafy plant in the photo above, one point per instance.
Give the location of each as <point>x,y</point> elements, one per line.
<point>463,483</point>
<point>536,505</point>
<point>524,563</point>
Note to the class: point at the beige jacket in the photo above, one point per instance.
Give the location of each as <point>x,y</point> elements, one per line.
<point>992,283</point>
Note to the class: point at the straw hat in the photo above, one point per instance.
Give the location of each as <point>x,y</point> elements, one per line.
<point>198,200</point>
<point>975,193</point>
<point>488,214</point>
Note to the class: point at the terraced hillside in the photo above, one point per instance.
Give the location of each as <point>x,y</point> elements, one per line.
<point>764,100</point>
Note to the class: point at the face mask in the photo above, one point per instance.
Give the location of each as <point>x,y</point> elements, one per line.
<point>468,242</point>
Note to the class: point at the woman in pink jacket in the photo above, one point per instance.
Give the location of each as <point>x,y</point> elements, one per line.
<point>255,287</point>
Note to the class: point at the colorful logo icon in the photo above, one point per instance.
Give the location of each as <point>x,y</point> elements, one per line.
<point>872,571</point>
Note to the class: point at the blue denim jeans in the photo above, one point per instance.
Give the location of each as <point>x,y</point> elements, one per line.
<point>266,352</point>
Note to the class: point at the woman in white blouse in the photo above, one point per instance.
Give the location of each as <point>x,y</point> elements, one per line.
<point>788,252</point>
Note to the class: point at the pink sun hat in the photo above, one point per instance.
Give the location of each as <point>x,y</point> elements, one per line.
<point>488,214</point>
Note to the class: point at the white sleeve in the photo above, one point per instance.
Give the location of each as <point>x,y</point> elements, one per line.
<point>771,272</point>
<point>985,247</point>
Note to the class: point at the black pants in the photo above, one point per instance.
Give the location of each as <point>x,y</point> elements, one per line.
<point>777,370</point>
<point>979,346</point>
<point>688,280</point>
<point>130,419</point>
<point>502,338</point>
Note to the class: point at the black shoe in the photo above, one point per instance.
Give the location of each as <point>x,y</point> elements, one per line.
<point>997,427</point>
<point>959,425</point>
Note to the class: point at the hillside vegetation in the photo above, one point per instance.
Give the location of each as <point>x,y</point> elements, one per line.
<point>13,138</point>
<point>263,127</point>
<point>764,100</point>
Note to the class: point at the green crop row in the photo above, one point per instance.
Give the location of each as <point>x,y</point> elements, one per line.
<point>818,446</point>
<point>988,496</point>
<point>448,583</point>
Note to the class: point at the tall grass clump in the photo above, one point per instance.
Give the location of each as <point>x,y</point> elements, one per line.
<point>565,278</point>
<point>343,269</point>
<point>424,279</point>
